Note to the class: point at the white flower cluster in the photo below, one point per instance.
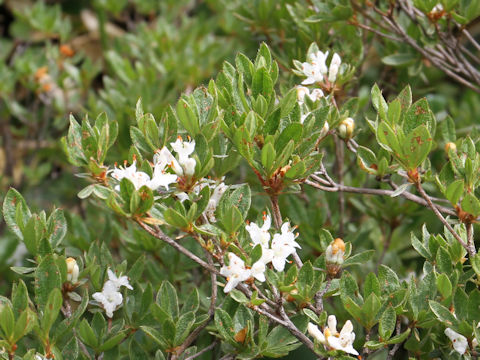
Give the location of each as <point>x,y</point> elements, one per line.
<point>316,69</point>
<point>163,160</point>
<point>282,246</point>
<point>332,339</point>
<point>110,297</point>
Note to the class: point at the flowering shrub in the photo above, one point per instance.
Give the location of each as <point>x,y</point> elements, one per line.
<point>250,215</point>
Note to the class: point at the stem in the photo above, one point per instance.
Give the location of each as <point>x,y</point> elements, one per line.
<point>339,153</point>
<point>319,297</point>
<point>211,312</point>
<point>442,219</point>
<point>470,241</point>
<point>203,351</point>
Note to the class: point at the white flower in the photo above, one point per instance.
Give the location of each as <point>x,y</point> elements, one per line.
<point>259,267</point>
<point>138,178</point>
<point>110,298</point>
<point>118,281</point>
<point>335,252</point>
<point>72,270</point>
<point>260,235</point>
<point>334,67</point>
<point>303,91</point>
<point>235,272</point>
<point>319,60</point>
<point>183,148</point>
<point>164,157</point>
<point>324,130</point>
<point>333,340</point>
<point>459,342</point>
<point>213,202</point>
<point>188,165</point>
<point>312,72</point>
<point>161,177</point>
<point>437,8</point>
<point>283,245</point>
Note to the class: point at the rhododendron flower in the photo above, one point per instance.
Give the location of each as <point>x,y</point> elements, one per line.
<point>213,202</point>
<point>259,267</point>
<point>140,178</point>
<point>333,340</point>
<point>303,91</point>
<point>110,297</point>
<point>260,235</point>
<point>459,342</point>
<point>236,272</point>
<point>283,245</point>
<point>334,67</point>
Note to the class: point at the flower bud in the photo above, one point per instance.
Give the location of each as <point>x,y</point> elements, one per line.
<point>335,252</point>
<point>301,92</point>
<point>346,127</point>
<point>450,146</point>
<point>72,270</point>
<point>324,130</point>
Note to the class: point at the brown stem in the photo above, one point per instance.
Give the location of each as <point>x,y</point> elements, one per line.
<point>442,219</point>
<point>319,297</point>
<point>211,312</point>
<point>203,351</point>
<point>339,153</point>
<point>470,241</point>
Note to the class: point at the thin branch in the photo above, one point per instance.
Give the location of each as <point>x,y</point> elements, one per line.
<point>211,312</point>
<point>339,154</point>
<point>160,235</point>
<point>442,219</point>
<point>319,296</point>
<point>470,241</point>
<point>203,351</point>
<point>407,195</point>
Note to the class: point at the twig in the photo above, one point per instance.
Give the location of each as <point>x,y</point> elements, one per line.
<point>470,241</point>
<point>211,312</point>
<point>203,351</point>
<point>356,190</point>
<point>319,297</point>
<point>442,219</point>
<point>160,235</point>
<point>339,153</point>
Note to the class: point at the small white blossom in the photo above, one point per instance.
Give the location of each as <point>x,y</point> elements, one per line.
<point>235,272</point>
<point>437,8</point>
<point>110,298</point>
<point>459,342</point>
<point>334,67</point>
<point>333,340</point>
<point>259,267</point>
<point>183,148</point>
<point>72,270</point>
<point>140,178</point>
<point>303,91</point>
<point>283,245</point>
<point>260,235</point>
<point>312,73</point>
<point>118,281</point>
<point>319,59</point>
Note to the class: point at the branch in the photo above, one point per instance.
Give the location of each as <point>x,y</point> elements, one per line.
<point>319,297</point>
<point>442,219</point>
<point>203,351</point>
<point>382,192</point>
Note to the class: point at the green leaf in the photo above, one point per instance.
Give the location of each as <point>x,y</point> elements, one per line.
<point>7,320</point>
<point>52,309</point>
<point>56,227</point>
<point>224,325</point>
<point>454,191</point>
<point>292,132</point>
<point>113,340</point>
<point>305,276</point>
<point>192,302</point>
<point>359,259</point>
<point>371,285</point>
<point>183,326</point>
<point>388,279</point>
<point>444,261</point>
<point>419,114</point>
<point>379,102</point>
<point>167,299</point>
<point>367,160</point>
<point>402,59</point>
<point>416,147</point>
<point>268,157</point>
<point>174,218</point>
<point>231,219</point>
<point>387,323</point>
<point>87,335</point>
<point>442,313</point>
<point>387,138</point>
<point>262,83</point>
<point>19,297</point>
<point>12,201</point>
<point>47,279</point>
<point>471,204</point>
<point>444,285</point>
